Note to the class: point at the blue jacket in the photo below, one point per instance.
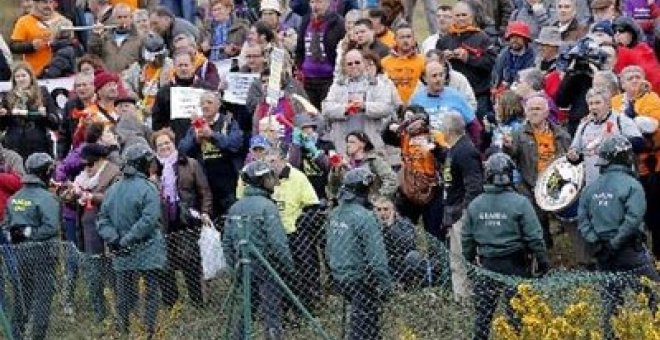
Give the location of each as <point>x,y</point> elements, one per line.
<point>507,65</point>
<point>130,214</point>
<point>612,208</point>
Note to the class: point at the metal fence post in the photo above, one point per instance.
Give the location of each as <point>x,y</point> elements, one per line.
<point>244,245</point>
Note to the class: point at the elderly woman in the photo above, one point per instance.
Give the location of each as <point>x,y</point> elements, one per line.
<point>27,114</point>
<point>87,192</point>
<point>221,21</point>
<point>187,203</point>
<point>360,152</point>
<point>639,102</point>
<point>358,102</point>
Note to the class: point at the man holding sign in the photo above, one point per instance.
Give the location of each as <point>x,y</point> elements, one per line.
<point>169,109</point>
<point>215,141</point>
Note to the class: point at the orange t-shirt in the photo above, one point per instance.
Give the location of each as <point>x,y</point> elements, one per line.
<point>132,3</point>
<point>545,148</point>
<point>405,72</point>
<point>388,39</point>
<point>27,29</point>
<point>415,151</point>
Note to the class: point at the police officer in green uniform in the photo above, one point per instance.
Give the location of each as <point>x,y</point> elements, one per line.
<point>258,212</point>
<point>357,257</point>
<point>501,228</point>
<point>611,220</point>
<point>32,220</point>
<point>129,223</point>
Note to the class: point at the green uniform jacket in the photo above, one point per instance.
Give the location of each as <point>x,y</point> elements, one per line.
<point>500,222</point>
<point>35,207</point>
<point>355,249</point>
<point>612,208</point>
<point>130,213</point>
<point>259,213</point>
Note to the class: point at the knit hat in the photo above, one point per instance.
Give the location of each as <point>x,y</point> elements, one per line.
<point>271,5</point>
<point>102,78</point>
<point>92,152</point>
<point>603,26</point>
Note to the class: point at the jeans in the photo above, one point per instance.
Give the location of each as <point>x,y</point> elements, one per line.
<point>34,294</point>
<point>270,303</point>
<point>128,294</point>
<point>71,273</point>
<point>185,9</point>
<point>430,8</point>
<point>183,254</point>
<point>365,311</point>
<point>99,274</point>
<point>487,291</point>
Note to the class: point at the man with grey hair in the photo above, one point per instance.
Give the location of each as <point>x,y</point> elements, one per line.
<point>531,82</point>
<point>608,80</point>
<point>601,123</point>
<point>206,70</point>
<point>463,181</point>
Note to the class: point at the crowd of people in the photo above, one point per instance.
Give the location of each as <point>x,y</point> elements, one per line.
<point>368,129</point>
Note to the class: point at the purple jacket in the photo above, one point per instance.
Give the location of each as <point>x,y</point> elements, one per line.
<point>67,170</point>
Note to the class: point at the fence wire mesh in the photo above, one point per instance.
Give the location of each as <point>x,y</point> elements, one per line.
<point>275,290</point>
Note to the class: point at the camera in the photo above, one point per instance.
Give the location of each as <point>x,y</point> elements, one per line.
<point>586,51</point>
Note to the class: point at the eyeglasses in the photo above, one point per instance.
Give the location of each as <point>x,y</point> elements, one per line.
<point>351,63</point>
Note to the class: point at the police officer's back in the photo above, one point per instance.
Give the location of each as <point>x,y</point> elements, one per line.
<point>501,228</point>
<point>501,222</point>
<point>32,218</point>
<point>257,211</point>
<point>357,257</point>
<point>611,211</point>
<point>33,213</point>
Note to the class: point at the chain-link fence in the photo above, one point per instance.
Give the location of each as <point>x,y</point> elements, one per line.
<point>296,286</point>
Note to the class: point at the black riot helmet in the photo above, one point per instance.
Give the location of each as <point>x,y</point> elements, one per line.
<point>41,165</point>
<point>138,158</point>
<point>260,175</point>
<point>616,149</point>
<point>356,184</point>
<point>499,169</point>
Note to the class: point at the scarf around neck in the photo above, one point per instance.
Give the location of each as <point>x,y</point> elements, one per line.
<point>168,179</point>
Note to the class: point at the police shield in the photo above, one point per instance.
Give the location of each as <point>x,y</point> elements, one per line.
<point>559,186</point>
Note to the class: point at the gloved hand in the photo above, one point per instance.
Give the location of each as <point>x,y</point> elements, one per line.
<point>19,234</point>
<point>114,247</point>
<point>309,144</point>
<point>604,252</point>
<point>542,267</point>
<point>297,137</point>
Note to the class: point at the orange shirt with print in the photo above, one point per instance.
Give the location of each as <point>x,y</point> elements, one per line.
<point>415,151</point>
<point>545,148</point>
<point>388,39</point>
<point>405,72</point>
<point>27,29</point>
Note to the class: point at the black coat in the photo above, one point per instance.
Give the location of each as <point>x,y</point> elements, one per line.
<point>481,60</point>
<point>334,32</point>
<point>31,133</point>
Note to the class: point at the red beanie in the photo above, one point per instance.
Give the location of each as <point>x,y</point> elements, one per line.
<point>102,78</point>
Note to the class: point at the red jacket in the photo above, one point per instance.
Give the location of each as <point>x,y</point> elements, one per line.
<point>10,183</point>
<point>643,56</point>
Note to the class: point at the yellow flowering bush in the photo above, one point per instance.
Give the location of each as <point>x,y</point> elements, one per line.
<point>580,319</point>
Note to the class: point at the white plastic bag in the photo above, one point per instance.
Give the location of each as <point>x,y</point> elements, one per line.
<point>213,257</point>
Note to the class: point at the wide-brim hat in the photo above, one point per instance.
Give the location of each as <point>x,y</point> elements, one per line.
<point>550,36</point>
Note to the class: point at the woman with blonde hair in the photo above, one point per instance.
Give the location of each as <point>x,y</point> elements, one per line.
<point>27,114</point>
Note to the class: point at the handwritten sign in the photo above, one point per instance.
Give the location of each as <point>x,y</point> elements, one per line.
<point>274,82</point>
<point>238,85</point>
<point>224,66</point>
<point>185,102</point>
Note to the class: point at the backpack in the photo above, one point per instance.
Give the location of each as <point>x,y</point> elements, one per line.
<point>418,188</point>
